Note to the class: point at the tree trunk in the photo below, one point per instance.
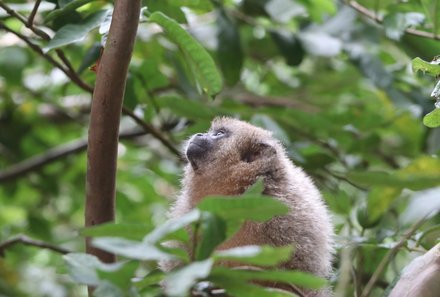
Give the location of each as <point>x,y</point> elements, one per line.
<point>104,118</point>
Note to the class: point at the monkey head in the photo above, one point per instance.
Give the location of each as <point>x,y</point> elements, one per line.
<point>231,148</point>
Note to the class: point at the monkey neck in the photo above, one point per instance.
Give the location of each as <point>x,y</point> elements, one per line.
<point>198,186</point>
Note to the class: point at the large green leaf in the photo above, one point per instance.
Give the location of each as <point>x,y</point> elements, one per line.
<point>432,119</point>
<point>256,255</point>
<point>128,231</point>
<point>119,274</point>
<point>204,67</point>
<point>431,68</point>
<point>432,10</point>
<point>76,32</point>
<point>212,233</point>
<point>381,178</point>
<point>131,249</point>
<point>65,9</point>
<point>379,200</point>
<point>245,207</point>
<point>171,226</point>
<point>230,54</point>
<point>82,268</point>
<point>237,287</point>
<point>299,278</point>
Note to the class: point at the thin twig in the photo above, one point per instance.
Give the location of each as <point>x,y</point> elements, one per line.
<point>22,19</point>
<point>33,13</point>
<point>32,242</point>
<point>389,256</point>
<point>38,50</point>
<point>54,154</point>
<point>69,72</point>
<point>373,16</point>
<point>151,129</point>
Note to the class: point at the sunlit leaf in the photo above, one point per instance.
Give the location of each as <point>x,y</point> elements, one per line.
<point>426,67</point>
<point>379,200</point>
<point>172,226</point>
<point>432,119</point>
<point>256,255</point>
<point>82,268</point>
<point>179,282</point>
<point>131,249</point>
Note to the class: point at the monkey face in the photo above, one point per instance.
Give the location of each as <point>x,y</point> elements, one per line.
<point>230,143</point>
<point>202,145</point>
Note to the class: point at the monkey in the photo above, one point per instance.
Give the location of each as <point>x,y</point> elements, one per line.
<point>230,158</point>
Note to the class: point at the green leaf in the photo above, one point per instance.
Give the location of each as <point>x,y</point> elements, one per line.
<point>107,289</point>
<point>192,109</point>
<point>299,278</point>
<point>119,274</point>
<point>76,32</point>
<point>206,72</point>
<point>237,287</point>
<point>379,201</point>
<point>431,68</point>
<point>82,268</point>
<point>173,225</point>
<point>432,119</point>
<point>396,23</point>
<point>152,278</point>
<point>289,46</point>
<point>245,207</point>
<point>128,231</point>
<point>230,54</point>
<point>90,57</point>
<point>432,10</point>
<point>73,5</point>
<point>131,249</point>
<point>256,255</point>
<point>213,232</point>
<point>179,282</point>
<point>413,180</point>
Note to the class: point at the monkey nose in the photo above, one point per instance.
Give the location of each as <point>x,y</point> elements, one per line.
<point>199,134</point>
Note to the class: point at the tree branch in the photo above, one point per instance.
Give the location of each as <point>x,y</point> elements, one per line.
<point>389,256</point>
<point>107,101</point>
<point>34,163</point>
<point>30,21</point>
<point>32,242</point>
<point>373,16</point>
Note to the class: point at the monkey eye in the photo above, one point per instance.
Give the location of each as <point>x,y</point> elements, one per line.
<point>219,133</point>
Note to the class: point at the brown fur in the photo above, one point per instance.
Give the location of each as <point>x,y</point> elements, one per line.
<point>307,224</point>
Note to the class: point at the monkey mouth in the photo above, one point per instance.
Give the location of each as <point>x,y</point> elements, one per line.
<point>196,152</point>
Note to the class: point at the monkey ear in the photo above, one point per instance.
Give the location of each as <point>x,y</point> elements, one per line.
<point>258,151</point>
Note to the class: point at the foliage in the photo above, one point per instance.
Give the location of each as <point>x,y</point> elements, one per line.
<point>333,80</point>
